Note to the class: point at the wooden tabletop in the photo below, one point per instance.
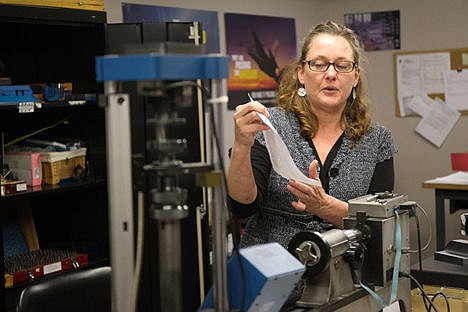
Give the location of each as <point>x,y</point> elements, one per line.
<point>446,186</point>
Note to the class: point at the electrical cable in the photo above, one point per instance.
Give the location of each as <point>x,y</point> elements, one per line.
<point>2,170</point>
<point>418,231</point>
<point>24,137</point>
<point>423,293</point>
<point>439,293</point>
<point>430,231</point>
<point>139,254</point>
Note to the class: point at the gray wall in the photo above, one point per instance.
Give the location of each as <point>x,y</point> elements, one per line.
<point>425,25</point>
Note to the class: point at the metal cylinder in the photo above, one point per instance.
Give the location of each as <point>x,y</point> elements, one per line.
<point>353,235</point>
<point>336,241</point>
<point>170,255</point>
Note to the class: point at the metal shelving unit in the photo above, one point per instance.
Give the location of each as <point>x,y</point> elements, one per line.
<point>51,45</point>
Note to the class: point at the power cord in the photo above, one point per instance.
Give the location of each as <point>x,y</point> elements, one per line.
<point>139,253</point>
<point>423,293</point>
<point>410,207</point>
<point>428,302</point>
<point>429,238</point>
<point>24,137</point>
<point>418,231</point>
<point>425,297</point>
<point>439,293</point>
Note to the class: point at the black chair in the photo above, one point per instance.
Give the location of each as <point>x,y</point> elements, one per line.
<point>83,290</point>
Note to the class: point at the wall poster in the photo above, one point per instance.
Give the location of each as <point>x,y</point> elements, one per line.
<point>378,30</point>
<point>258,47</point>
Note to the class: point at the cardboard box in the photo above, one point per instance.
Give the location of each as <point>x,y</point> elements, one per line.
<point>456,297</point>
<point>459,161</point>
<point>26,166</point>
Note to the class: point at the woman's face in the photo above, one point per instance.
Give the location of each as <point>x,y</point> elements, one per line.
<point>329,90</point>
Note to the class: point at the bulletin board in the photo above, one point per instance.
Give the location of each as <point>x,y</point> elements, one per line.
<point>458,61</point>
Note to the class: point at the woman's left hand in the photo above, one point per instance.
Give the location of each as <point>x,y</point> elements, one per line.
<point>311,198</point>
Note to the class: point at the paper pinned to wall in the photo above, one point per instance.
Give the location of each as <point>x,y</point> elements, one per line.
<point>419,74</point>
<point>281,160</point>
<point>456,89</point>
<point>438,118</point>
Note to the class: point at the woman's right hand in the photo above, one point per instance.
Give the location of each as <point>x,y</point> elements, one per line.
<point>247,122</point>
<point>240,178</point>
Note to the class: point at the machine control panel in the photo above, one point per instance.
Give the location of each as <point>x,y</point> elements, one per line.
<point>378,205</point>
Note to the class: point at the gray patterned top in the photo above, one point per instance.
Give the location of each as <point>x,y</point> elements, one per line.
<point>277,220</point>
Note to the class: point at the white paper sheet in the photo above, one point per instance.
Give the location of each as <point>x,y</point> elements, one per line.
<point>456,89</point>
<point>281,160</point>
<point>459,177</point>
<point>437,122</point>
<point>419,74</point>
<point>408,80</point>
<point>422,105</point>
<point>394,307</point>
<point>432,67</point>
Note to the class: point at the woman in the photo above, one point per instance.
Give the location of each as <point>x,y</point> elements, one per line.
<point>323,118</point>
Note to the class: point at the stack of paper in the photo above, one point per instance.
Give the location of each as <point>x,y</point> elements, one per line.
<point>459,177</point>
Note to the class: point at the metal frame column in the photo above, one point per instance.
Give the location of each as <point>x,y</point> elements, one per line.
<point>120,197</point>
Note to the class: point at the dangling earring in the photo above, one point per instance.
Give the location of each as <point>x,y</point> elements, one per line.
<point>354,93</point>
<point>301,91</point>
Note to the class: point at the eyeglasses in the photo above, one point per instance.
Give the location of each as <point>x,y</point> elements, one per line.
<point>342,67</point>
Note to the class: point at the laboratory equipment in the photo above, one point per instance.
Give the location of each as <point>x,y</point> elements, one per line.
<point>357,268</point>
<point>155,74</point>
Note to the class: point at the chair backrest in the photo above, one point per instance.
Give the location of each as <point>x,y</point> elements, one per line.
<point>83,290</point>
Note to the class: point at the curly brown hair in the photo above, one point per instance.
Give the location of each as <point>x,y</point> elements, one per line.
<point>356,118</point>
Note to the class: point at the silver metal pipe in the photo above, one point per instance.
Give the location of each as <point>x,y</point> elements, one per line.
<point>220,297</point>
<point>170,258</point>
<point>220,293</point>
